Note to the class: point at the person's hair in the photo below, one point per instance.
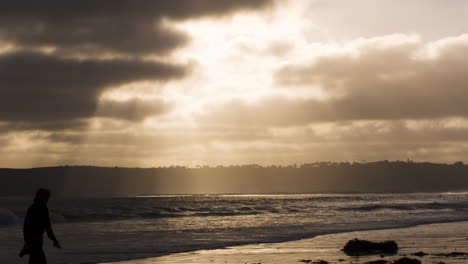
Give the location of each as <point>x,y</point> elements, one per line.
<point>42,194</point>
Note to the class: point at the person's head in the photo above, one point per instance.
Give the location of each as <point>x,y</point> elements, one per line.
<point>42,195</point>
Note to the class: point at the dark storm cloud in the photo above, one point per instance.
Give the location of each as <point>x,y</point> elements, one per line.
<point>51,91</point>
<point>37,88</point>
<point>122,26</point>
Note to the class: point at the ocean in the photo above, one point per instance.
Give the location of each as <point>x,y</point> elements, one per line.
<point>93,230</point>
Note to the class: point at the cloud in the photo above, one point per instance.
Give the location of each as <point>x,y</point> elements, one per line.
<point>133,109</point>
<point>60,87</point>
<point>51,125</point>
<point>436,140</point>
<point>39,88</point>
<point>386,78</point>
<point>121,26</point>
<point>345,20</point>
<point>281,87</point>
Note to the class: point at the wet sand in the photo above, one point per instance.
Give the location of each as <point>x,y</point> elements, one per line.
<point>432,239</point>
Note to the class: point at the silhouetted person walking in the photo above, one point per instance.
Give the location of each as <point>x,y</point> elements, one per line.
<point>35,223</point>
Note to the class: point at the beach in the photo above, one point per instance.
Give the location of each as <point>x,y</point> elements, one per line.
<point>432,239</point>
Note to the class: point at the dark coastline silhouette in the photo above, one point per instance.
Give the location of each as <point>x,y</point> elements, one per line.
<point>317,177</point>
<point>37,222</point>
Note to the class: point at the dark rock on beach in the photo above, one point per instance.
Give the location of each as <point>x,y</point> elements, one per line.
<point>320,262</point>
<point>453,254</point>
<point>358,247</point>
<point>380,261</point>
<point>314,262</point>
<point>406,260</point>
<point>420,254</point>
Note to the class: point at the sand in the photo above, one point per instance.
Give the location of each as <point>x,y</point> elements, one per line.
<point>432,239</point>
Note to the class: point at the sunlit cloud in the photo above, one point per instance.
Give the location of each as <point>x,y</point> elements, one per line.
<point>269,82</point>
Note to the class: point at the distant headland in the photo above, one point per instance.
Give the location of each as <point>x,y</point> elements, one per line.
<point>317,177</point>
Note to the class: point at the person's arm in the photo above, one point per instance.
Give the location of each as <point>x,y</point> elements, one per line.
<point>48,229</point>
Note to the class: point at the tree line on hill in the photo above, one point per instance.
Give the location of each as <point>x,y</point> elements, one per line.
<point>316,177</point>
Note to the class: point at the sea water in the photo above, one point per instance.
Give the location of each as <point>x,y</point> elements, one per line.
<point>95,230</point>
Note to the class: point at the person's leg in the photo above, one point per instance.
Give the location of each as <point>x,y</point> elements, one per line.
<point>37,256</point>
<point>33,257</point>
<point>43,257</point>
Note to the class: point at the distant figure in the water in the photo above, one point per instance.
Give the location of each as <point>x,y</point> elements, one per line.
<point>35,223</point>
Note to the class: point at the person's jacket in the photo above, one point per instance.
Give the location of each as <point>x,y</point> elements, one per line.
<point>36,222</point>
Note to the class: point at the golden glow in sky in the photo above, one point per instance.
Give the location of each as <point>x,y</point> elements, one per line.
<point>298,81</point>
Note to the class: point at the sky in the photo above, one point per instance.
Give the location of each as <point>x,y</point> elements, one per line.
<point>158,83</point>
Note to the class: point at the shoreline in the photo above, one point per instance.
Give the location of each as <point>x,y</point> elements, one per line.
<point>429,238</point>
<point>145,258</point>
